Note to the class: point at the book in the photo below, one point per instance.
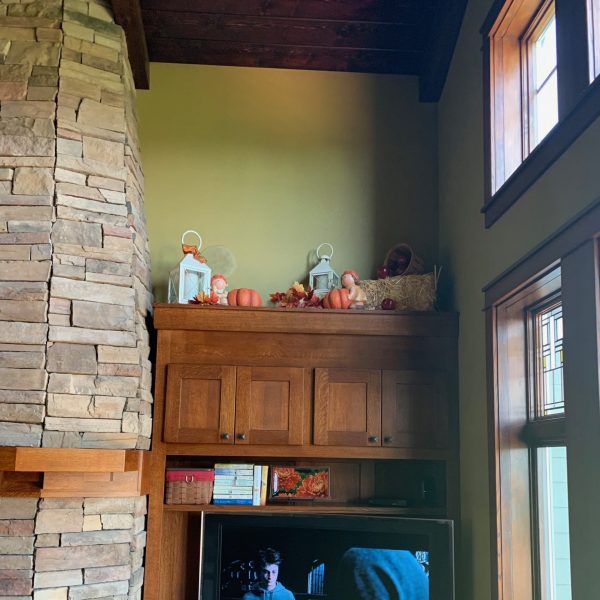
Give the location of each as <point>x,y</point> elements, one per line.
<point>264,484</point>
<point>232,490</point>
<point>249,481</point>
<point>256,485</point>
<point>234,472</point>
<point>232,501</point>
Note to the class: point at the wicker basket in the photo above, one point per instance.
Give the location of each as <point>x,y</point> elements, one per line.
<point>414,265</point>
<point>189,486</point>
<point>410,292</point>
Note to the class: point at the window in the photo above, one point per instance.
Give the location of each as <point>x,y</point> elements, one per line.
<point>541,62</point>
<point>543,330</point>
<point>540,98</point>
<point>523,83</point>
<point>593,16</point>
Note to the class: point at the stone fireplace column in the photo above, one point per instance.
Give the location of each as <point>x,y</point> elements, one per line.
<point>74,262</point>
<point>74,291</point>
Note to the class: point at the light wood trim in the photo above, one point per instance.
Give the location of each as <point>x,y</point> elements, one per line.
<point>280,320</point>
<point>68,460</point>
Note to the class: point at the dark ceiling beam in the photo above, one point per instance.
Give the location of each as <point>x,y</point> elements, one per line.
<point>128,15</point>
<point>445,21</point>
<point>397,11</point>
<point>281,56</point>
<point>288,31</point>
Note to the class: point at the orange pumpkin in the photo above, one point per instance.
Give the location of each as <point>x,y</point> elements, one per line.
<point>337,298</point>
<point>244,297</point>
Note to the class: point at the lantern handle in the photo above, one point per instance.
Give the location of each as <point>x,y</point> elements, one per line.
<point>194,232</point>
<point>325,244</point>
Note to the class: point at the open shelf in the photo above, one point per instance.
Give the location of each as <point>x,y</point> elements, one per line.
<point>321,508</point>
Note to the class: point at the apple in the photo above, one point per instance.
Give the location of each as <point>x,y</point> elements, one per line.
<point>382,272</point>
<point>388,304</point>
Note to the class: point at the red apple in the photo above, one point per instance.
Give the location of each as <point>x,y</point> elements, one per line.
<point>388,304</point>
<point>382,272</point>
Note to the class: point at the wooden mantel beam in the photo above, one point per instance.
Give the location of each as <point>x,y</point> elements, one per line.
<point>128,14</point>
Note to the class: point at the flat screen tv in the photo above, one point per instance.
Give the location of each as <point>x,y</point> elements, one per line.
<point>326,557</point>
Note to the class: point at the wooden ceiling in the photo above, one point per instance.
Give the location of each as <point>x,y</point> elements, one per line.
<point>409,37</point>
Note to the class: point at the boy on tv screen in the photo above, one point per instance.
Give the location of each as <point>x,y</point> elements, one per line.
<point>269,588</point>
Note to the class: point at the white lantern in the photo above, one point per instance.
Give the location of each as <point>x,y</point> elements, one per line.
<point>191,276</point>
<point>323,278</point>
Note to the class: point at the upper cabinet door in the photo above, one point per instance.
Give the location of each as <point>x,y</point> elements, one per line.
<point>200,404</point>
<point>347,407</point>
<point>414,410</point>
<point>269,405</point>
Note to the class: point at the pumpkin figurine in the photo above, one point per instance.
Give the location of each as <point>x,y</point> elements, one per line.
<point>244,297</point>
<point>337,298</point>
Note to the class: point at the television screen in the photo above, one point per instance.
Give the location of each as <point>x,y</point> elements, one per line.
<point>325,557</point>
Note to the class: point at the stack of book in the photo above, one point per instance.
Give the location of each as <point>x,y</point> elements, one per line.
<point>240,484</point>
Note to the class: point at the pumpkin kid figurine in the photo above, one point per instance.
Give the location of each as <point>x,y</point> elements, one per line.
<point>218,287</point>
<point>356,295</point>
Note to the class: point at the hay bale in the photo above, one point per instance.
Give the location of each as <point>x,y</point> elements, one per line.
<point>410,292</point>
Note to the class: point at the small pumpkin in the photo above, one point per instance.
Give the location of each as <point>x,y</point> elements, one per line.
<point>244,297</point>
<point>337,298</point>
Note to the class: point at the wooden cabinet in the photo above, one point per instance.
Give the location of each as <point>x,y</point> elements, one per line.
<point>372,395</point>
<point>234,405</point>
<point>395,409</point>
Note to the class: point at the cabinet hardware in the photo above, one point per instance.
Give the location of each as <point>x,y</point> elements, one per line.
<point>387,439</point>
<point>373,439</point>
<point>241,436</point>
<point>225,436</point>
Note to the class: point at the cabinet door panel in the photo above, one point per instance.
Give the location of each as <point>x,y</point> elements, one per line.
<point>200,404</point>
<point>414,410</point>
<point>347,407</point>
<point>269,405</point>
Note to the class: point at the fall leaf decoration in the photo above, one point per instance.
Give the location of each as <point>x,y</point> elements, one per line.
<point>297,297</point>
<point>204,298</point>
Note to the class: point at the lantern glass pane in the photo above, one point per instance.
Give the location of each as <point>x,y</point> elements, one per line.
<point>192,284</point>
<point>321,282</point>
<point>173,295</point>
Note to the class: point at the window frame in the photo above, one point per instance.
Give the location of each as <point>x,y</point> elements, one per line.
<point>579,100</point>
<point>575,250</point>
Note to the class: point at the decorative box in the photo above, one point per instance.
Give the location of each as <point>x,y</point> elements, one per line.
<point>300,483</point>
<point>189,486</point>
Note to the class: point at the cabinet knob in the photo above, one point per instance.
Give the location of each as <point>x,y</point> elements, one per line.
<point>387,439</point>
<point>373,439</point>
<point>225,436</point>
<point>241,436</point>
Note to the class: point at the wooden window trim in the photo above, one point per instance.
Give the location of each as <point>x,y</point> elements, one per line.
<point>512,472</point>
<point>575,248</point>
<point>579,104</point>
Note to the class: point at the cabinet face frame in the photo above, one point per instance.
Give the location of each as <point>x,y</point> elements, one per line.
<point>175,429</point>
<point>326,403</point>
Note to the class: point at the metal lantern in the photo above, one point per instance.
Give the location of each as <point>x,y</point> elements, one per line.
<point>323,278</point>
<point>191,276</point>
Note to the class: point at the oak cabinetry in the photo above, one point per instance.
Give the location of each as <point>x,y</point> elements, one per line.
<point>372,395</point>
<point>234,405</point>
<point>395,409</point>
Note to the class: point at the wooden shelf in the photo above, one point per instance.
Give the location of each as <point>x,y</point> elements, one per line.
<point>296,452</point>
<point>321,508</point>
<point>64,472</point>
<point>68,460</point>
<point>302,320</point>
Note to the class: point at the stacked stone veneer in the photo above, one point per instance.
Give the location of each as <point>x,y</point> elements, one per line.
<point>74,277</point>
<point>74,281</point>
<point>72,548</point>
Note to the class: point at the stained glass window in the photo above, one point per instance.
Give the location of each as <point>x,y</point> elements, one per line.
<point>550,394</point>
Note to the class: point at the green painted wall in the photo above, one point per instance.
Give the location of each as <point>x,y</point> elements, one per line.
<point>272,162</point>
<point>473,256</point>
